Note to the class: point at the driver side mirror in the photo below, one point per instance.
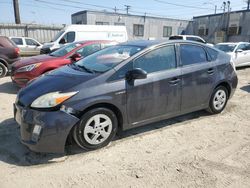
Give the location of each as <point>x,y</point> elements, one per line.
<point>75,57</point>
<point>239,51</point>
<point>136,73</point>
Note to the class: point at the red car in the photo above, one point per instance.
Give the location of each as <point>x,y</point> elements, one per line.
<point>29,68</point>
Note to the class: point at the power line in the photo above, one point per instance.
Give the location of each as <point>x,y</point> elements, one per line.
<point>180,5</point>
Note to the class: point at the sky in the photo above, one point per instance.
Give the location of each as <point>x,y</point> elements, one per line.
<point>59,11</point>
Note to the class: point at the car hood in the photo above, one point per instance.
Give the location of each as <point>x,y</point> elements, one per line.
<point>33,60</point>
<point>61,80</point>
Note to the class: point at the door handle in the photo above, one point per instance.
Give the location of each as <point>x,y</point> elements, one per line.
<point>210,71</point>
<point>174,81</point>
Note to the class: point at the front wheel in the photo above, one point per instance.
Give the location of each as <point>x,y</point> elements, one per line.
<point>96,129</point>
<point>3,70</point>
<point>218,100</point>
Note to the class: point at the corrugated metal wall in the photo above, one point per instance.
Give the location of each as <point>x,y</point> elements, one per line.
<point>42,33</point>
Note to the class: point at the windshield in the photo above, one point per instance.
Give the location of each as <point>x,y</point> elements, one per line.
<point>225,47</point>
<point>108,58</point>
<point>65,50</point>
<point>57,36</point>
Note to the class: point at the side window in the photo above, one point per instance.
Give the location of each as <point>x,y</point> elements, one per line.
<point>242,47</point>
<point>90,49</point>
<point>247,46</point>
<point>213,54</point>
<point>163,58</point>
<point>17,41</point>
<point>68,37</point>
<point>120,74</point>
<point>31,42</point>
<point>191,54</point>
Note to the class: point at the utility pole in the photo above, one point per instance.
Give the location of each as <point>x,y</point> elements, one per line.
<point>16,12</point>
<point>127,8</point>
<point>215,8</point>
<point>228,18</point>
<point>115,9</point>
<point>248,4</point>
<point>224,6</point>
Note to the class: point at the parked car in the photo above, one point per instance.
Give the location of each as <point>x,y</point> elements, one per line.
<point>189,37</point>
<point>119,88</point>
<point>239,52</point>
<point>9,53</point>
<point>27,46</point>
<point>75,33</point>
<point>29,68</point>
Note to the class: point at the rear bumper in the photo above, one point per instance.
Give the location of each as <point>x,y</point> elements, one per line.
<point>55,127</point>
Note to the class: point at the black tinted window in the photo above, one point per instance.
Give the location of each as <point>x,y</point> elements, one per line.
<point>213,54</point>
<point>17,41</point>
<point>191,54</point>
<point>175,38</point>
<point>157,60</point>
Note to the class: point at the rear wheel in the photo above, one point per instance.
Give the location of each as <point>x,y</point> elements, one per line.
<point>96,129</point>
<point>218,100</point>
<point>3,70</point>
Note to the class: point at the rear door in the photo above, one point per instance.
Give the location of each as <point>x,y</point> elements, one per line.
<point>158,94</point>
<point>197,77</point>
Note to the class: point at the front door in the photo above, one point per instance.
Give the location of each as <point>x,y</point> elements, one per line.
<point>242,57</point>
<point>198,77</point>
<point>158,94</point>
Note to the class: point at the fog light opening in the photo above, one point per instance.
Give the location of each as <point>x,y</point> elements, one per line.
<point>36,133</point>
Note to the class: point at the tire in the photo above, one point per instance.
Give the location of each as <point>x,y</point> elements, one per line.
<point>218,100</point>
<point>96,129</point>
<point>3,70</point>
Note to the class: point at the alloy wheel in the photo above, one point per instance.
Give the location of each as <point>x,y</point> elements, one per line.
<point>98,128</point>
<point>220,99</point>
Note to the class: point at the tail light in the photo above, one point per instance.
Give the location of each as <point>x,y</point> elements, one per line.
<point>17,51</point>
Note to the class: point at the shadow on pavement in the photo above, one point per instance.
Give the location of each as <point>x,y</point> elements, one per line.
<point>12,151</point>
<point>246,88</point>
<point>9,87</point>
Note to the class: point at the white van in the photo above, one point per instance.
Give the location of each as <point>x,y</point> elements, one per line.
<point>74,33</point>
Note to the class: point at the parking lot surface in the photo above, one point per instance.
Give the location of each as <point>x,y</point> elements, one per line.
<point>194,150</point>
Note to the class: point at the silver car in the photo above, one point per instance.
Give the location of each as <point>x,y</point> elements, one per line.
<point>239,52</point>
<point>27,46</point>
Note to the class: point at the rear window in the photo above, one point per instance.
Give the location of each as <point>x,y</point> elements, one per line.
<point>6,42</point>
<point>17,41</point>
<point>196,39</point>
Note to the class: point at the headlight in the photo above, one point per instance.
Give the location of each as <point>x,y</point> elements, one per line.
<point>28,67</point>
<point>53,99</point>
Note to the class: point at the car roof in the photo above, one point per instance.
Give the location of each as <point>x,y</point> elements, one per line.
<point>148,43</point>
<point>93,41</point>
<point>185,36</point>
<point>233,43</point>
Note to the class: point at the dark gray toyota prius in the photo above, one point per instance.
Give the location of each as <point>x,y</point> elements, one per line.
<point>119,88</point>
